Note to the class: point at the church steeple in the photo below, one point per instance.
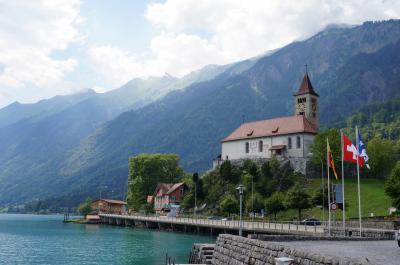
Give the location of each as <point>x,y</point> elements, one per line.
<point>306,101</point>
<point>306,86</point>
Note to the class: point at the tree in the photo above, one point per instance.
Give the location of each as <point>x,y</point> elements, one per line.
<point>392,186</point>
<point>229,205</point>
<point>258,202</point>
<point>146,171</point>
<point>267,184</point>
<point>318,197</point>
<point>86,207</point>
<point>195,179</point>
<point>382,155</point>
<point>136,194</point>
<point>318,148</point>
<point>275,203</point>
<point>187,201</point>
<point>225,170</point>
<point>298,198</point>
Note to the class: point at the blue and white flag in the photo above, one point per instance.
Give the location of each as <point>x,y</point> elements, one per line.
<point>362,150</point>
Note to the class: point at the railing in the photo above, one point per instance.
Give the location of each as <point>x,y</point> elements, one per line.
<point>282,226</point>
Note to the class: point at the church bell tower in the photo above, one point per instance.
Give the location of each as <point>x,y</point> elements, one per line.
<point>306,101</point>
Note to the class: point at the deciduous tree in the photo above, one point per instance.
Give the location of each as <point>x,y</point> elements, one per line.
<point>275,204</point>
<point>86,207</point>
<point>298,198</point>
<point>392,186</point>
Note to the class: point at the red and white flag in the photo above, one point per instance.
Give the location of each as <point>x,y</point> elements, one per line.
<point>350,153</point>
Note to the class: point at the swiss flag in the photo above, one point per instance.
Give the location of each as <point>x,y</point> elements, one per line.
<point>350,152</point>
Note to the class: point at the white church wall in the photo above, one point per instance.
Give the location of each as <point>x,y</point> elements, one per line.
<point>237,149</point>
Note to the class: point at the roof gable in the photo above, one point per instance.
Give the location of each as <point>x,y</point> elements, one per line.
<point>306,87</point>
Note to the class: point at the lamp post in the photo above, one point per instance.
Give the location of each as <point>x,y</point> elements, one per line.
<point>323,187</point>
<point>195,180</point>
<point>240,188</point>
<point>101,189</point>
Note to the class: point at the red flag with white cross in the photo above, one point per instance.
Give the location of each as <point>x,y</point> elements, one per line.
<point>350,153</point>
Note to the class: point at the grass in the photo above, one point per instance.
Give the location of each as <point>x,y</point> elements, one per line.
<point>373,200</point>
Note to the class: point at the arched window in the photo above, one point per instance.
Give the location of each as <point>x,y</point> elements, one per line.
<point>289,142</point>
<point>247,147</point>
<point>260,146</point>
<point>298,142</point>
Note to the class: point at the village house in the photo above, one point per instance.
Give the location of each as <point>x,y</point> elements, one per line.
<point>167,197</point>
<point>109,206</point>
<point>287,138</point>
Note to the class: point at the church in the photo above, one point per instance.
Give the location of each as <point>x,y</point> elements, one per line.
<point>285,137</point>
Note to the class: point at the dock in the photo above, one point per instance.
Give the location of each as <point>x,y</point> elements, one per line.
<point>213,227</point>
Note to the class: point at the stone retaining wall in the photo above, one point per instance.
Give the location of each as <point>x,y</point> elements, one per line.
<point>354,233</point>
<point>286,238</point>
<point>235,250</point>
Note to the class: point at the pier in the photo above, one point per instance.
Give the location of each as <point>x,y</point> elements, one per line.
<point>214,227</point>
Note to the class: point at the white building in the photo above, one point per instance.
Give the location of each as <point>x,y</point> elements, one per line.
<point>286,137</point>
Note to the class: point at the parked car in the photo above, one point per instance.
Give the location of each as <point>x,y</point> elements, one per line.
<point>310,221</point>
<point>397,235</point>
<point>214,218</point>
<point>227,219</point>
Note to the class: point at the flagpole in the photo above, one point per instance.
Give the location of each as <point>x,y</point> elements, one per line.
<point>358,182</point>
<point>344,209</point>
<point>329,192</point>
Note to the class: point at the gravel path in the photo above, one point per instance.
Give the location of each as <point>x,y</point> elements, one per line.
<point>377,252</point>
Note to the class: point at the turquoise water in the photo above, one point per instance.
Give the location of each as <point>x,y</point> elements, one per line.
<point>33,239</point>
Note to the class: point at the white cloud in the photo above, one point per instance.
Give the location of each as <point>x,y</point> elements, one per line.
<point>30,32</point>
<point>241,29</point>
<point>195,33</point>
<point>116,66</point>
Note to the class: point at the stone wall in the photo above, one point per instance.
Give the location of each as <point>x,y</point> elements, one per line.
<point>201,253</point>
<point>355,232</point>
<point>235,250</point>
<point>286,238</point>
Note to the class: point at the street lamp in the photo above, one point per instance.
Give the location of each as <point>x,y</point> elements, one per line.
<point>101,189</point>
<point>323,186</point>
<point>240,188</point>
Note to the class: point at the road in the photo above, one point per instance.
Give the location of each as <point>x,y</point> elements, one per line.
<point>377,252</point>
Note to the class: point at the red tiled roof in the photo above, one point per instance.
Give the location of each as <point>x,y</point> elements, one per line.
<point>272,127</point>
<point>306,87</point>
<point>174,187</point>
<point>167,188</point>
<point>111,201</point>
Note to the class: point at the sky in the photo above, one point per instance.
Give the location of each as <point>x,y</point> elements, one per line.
<point>56,47</point>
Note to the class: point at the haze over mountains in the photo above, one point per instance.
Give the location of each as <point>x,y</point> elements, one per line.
<point>71,147</point>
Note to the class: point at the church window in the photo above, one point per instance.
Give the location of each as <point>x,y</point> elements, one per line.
<point>298,142</point>
<point>289,142</point>
<point>313,114</point>
<point>247,147</point>
<point>260,146</point>
<point>301,100</point>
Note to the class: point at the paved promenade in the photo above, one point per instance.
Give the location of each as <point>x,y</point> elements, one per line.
<point>221,224</point>
<point>375,252</point>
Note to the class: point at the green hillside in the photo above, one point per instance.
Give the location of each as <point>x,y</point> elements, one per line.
<point>373,200</point>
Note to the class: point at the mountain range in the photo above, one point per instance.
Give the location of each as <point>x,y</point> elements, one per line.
<point>70,147</point>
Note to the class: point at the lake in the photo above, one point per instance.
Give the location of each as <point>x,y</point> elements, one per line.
<point>45,239</point>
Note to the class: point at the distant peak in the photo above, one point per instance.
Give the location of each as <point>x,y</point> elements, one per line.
<point>169,75</point>
<point>85,91</point>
